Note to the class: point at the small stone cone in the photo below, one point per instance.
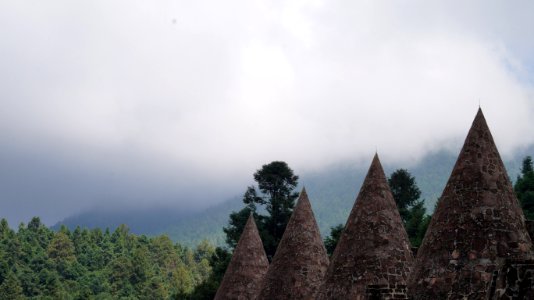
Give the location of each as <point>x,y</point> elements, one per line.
<point>300,261</point>
<point>477,224</point>
<point>373,249</point>
<point>247,268</point>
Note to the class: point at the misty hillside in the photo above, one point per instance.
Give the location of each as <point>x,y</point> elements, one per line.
<point>332,192</point>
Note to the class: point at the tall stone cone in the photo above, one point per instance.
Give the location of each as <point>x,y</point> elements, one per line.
<point>373,251</point>
<point>300,261</point>
<point>476,226</point>
<point>247,267</point>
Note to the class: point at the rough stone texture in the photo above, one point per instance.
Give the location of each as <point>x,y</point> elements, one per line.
<point>385,292</point>
<point>300,261</point>
<point>476,226</point>
<point>247,267</point>
<point>373,254</point>
<point>515,280</point>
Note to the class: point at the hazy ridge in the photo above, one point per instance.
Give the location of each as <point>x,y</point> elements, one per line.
<point>332,192</point>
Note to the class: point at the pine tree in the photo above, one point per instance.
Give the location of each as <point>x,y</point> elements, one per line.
<point>61,248</point>
<point>330,242</point>
<point>405,191</point>
<point>412,210</point>
<point>276,184</point>
<point>524,188</point>
<point>10,288</point>
<point>417,223</point>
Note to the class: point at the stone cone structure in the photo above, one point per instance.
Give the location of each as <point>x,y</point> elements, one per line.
<point>476,226</point>
<point>247,267</point>
<point>300,261</point>
<point>373,257</point>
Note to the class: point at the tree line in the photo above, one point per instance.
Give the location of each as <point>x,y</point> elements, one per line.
<point>39,263</point>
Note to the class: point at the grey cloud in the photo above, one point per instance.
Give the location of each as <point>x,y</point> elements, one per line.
<point>179,102</point>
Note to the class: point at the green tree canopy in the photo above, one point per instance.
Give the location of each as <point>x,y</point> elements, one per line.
<point>38,263</point>
<point>275,194</point>
<point>10,288</point>
<point>417,223</point>
<point>404,190</point>
<point>330,242</point>
<point>524,188</point>
<point>527,166</point>
<point>412,210</point>
<point>61,248</point>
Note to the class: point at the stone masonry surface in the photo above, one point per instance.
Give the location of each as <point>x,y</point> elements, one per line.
<point>300,261</point>
<point>477,225</point>
<point>373,256</point>
<point>247,267</point>
<point>515,280</point>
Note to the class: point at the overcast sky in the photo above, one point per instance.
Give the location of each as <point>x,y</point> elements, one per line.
<point>179,102</point>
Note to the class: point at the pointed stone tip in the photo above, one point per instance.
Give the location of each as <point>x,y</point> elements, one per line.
<point>376,164</point>
<point>250,217</point>
<point>376,158</point>
<point>303,200</point>
<point>303,192</point>
<point>479,116</point>
<point>479,122</point>
<point>251,223</point>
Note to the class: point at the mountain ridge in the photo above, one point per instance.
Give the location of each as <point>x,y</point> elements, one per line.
<point>331,190</point>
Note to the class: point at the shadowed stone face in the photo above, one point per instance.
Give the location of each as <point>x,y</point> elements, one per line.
<point>476,226</point>
<point>373,255</point>
<point>247,268</point>
<point>300,261</point>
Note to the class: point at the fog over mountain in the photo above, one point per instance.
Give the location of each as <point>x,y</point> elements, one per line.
<point>177,103</point>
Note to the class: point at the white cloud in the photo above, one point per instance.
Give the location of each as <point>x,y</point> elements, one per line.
<point>213,89</point>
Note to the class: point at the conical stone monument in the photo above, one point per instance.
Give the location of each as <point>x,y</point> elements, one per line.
<point>247,267</point>
<point>372,259</point>
<point>300,261</point>
<point>477,225</point>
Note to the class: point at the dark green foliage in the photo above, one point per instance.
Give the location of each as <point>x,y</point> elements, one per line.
<point>219,262</point>
<point>38,263</point>
<point>411,209</point>
<point>237,223</point>
<point>330,242</point>
<point>524,188</point>
<point>527,166</point>
<point>10,288</point>
<point>405,191</point>
<point>417,223</point>
<point>276,184</point>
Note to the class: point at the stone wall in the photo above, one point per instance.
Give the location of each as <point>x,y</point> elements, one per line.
<point>385,292</point>
<point>515,280</point>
